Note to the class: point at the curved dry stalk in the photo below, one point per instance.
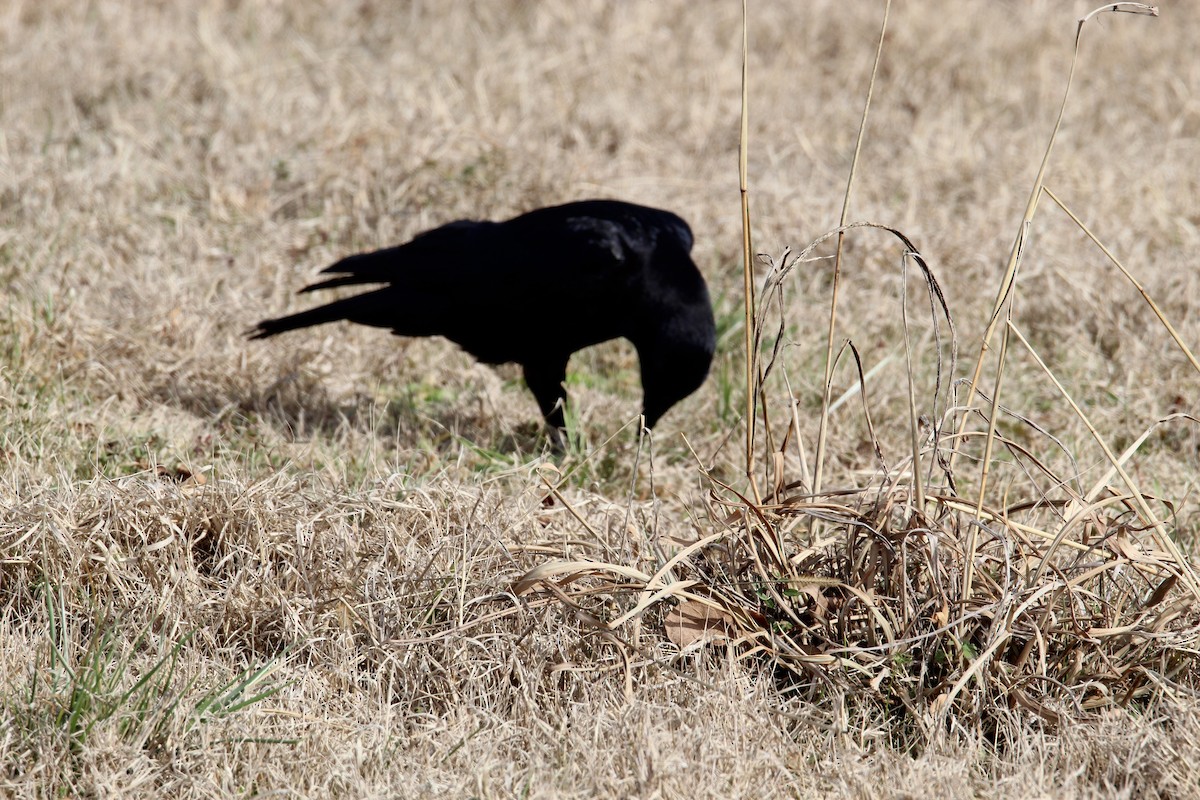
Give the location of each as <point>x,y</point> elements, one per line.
<point>1014,258</point>
<point>774,279</point>
<point>575,569</point>
<point>862,383</point>
<point>913,424</point>
<point>1083,514</point>
<point>772,290</point>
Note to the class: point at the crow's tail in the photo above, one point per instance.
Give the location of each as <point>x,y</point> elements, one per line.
<point>381,266</point>
<point>365,309</point>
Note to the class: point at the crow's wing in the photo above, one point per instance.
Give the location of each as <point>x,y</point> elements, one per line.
<point>429,262</point>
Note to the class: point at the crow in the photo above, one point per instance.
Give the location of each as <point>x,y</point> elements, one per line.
<point>534,289</point>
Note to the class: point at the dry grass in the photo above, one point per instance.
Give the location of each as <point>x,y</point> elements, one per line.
<point>296,567</point>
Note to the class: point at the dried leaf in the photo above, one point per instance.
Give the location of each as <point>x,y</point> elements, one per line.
<point>1161,592</point>
<point>941,617</point>
<point>820,603</point>
<point>693,621</point>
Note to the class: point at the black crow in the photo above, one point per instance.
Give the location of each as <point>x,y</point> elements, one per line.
<point>536,288</point>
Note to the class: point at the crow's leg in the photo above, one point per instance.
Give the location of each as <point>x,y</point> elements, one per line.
<point>545,379</point>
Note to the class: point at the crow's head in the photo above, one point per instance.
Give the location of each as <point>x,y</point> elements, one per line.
<point>675,362</point>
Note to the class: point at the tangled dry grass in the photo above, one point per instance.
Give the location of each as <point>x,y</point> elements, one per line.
<point>345,565</point>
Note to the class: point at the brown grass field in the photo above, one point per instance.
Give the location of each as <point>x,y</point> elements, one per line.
<point>341,564</point>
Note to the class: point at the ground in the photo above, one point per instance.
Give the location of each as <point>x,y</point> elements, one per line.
<point>246,568</point>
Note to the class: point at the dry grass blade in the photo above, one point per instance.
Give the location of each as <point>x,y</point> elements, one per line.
<point>986,463</point>
<point>1105,479</point>
<point>1187,351</point>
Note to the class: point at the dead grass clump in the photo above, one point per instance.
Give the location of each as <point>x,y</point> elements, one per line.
<point>906,594</point>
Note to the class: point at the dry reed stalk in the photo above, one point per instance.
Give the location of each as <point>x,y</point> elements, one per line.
<point>747,255</point>
<point>822,429</point>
